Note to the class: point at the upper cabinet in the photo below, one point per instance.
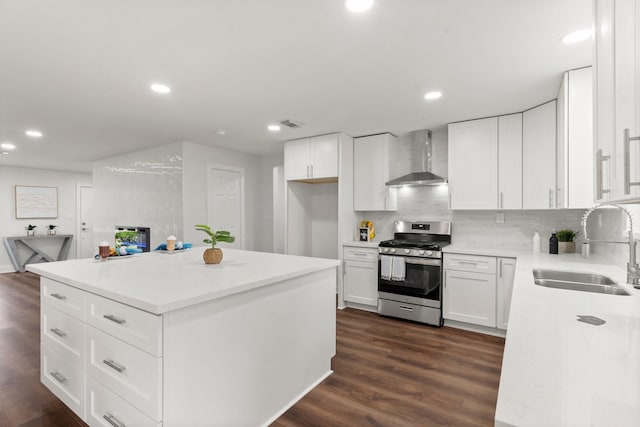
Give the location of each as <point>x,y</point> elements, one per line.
<point>539,157</point>
<point>574,163</point>
<point>510,161</point>
<point>617,100</point>
<point>473,164</point>
<point>485,163</point>
<point>372,160</point>
<point>311,158</point>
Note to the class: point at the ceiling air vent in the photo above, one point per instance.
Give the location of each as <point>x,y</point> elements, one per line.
<point>292,124</point>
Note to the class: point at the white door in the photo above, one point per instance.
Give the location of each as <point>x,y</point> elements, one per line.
<point>85,244</point>
<point>225,203</point>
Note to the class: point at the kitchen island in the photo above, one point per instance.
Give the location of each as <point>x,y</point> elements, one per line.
<point>163,339</point>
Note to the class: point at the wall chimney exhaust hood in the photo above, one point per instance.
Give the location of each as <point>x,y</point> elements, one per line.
<point>421,163</point>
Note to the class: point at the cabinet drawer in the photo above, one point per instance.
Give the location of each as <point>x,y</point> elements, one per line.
<point>63,297</point>
<point>131,373</point>
<point>137,327</point>
<point>64,334</point>
<point>63,379</point>
<point>104,408</point>
<point>473,263</point>
<point>360,254</point>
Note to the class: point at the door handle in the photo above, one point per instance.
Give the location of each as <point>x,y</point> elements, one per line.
<point>627,161</point>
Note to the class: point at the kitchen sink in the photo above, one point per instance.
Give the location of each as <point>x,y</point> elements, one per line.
<point>574,281</point>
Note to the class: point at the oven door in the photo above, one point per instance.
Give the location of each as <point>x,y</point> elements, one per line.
<point>422,279</point>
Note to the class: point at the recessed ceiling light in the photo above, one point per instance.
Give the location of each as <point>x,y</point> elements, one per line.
<point>432,95</point>
<point>221,131</point>
<point>359,5</point>
<point>33,133</point>
<point>160,88</point>
<point>7,146</point>
<point>577,36</point>
<point>274,128</point>
<point>4,152</point>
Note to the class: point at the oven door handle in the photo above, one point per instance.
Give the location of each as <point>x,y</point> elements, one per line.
<point>420,261</point>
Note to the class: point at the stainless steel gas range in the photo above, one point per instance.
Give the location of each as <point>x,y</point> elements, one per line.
<point>410,271</point>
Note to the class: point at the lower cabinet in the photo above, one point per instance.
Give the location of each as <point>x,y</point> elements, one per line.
<point>477,289</point>
<point>361,277</point>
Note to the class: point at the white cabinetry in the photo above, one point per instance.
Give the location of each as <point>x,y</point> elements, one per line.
<point>477,289</point>
<point>574,163</point>
<point>617,106</point>
<point>510,161</point>
<point>473,164</point>
<point>485,163</point>
<point>372,160</point>
<point>361,277</point>
<point>539,157</point>
<point>87,338</point>
<point>506,273</point>
<point>470,289</point>
<point>311,158</point>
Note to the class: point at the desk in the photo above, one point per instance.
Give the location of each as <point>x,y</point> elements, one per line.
<point>11,243</point>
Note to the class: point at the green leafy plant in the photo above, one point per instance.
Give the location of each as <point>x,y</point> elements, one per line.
<point>566,235</point>
<point>215,236</point>
<point>51,227</point>
<point>30,227</point>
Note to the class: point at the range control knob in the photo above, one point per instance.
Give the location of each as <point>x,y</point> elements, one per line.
<point>393,251</point>
<point>420,252</point>
<point>429,253</point>
<point>384,250</point>
<point>406,251</point>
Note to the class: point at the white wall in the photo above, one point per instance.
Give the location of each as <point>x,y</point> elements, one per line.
<point>143,188</point>
<point>66,183</point>
<point>267,163</point>
<point>196,159</point>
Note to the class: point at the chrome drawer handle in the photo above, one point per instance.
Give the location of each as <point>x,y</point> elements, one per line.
<point>115,319</point>
<point>58,296</point>
<point>468,262</point>
<point>113,420</point>
<point>405,308</point>
<point>58,332</point>
<point>110,363</point>
<point>58,376</point>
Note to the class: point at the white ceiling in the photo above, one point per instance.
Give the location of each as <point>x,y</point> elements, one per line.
<point>80,70</point>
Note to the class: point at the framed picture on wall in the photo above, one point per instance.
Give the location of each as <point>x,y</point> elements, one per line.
<point>36,202</point>
<point>363,234</point>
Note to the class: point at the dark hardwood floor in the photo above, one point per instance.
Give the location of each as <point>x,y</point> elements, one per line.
<point>386,372</point>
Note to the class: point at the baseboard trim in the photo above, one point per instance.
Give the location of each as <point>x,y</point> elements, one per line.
<point>7,269</point>
<point>475,328</point>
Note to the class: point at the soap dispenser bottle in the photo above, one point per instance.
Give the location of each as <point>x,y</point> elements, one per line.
<point>553,243</point>
<point>536,241</point>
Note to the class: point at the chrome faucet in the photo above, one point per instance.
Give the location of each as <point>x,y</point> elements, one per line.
<point>633,270</point>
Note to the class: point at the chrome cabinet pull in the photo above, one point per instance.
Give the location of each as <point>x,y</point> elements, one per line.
<point>627,161</point>
<point>113,420</point>
<point>500,263</point>
<point>311,176</point>
<point>115,319</point>
<point>58,332</point>
<point>468,262</point>
<point>501,200</point>
<point>113,365</point>
<point>600,159</point>
<point>550,198</point>
<point>58,296</point>
<point>405,308</point>
<point>58,376</point>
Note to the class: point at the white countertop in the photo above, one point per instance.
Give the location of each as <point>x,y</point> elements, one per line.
<point>160,282</point>
<point>557,371</point>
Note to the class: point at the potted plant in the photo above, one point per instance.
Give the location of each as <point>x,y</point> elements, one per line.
<point>213,255</point>
<point>566,243</point>
<point>51,229</point>
<point>31,230</point>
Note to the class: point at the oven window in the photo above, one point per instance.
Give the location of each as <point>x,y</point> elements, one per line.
<point>420,280</point>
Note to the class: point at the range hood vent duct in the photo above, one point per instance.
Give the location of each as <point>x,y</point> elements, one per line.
<point>421,163</point>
